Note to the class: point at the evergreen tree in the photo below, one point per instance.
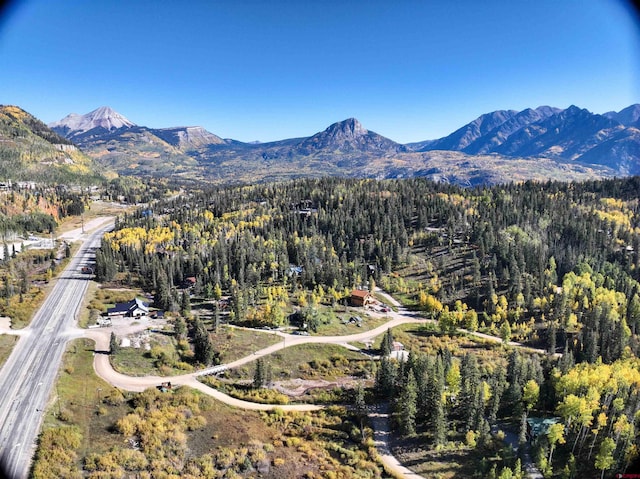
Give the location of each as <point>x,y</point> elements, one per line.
<point>180,328</point>
<point>497,382</point>
<point>185,305</point>
<point>163,299</point>
<point>113,344</point>
<point>360,407</point>
<point>385,377</point>
<point>437,421</point>
<point>387,343</point>
<point>216,316</point>
<point>203,346</point>
<point>469,391</point>
<point>259,375</point>
<point>208,291</point>
<point>407,407</point>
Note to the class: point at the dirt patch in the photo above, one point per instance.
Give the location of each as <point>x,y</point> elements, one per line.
<point>5,323</point>
<point>300,387</point>
<point>131,326</point>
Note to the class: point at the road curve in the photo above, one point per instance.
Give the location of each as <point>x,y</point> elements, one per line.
<point>103,367</point>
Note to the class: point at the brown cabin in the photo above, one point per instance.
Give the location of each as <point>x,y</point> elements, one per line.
<point>360,297</point>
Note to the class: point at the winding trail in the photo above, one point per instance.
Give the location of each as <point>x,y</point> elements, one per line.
<point>105,370</point>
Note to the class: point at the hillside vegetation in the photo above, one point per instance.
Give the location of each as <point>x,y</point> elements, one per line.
<point>31,151</point>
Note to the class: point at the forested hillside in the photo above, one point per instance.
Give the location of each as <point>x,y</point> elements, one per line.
<point>31,151</point>
<point>551,265</point>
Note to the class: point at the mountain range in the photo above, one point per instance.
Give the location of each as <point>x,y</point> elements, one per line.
<point>568,140</point>
<point>505,145</point>
<point>573,134</point>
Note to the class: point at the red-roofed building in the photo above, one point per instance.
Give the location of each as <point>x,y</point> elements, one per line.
<point>360,297</point>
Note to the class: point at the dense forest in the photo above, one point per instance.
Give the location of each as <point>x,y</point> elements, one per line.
<point>551,265</point>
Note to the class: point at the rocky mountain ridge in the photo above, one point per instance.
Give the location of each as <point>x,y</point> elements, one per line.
<point>573,134</point>
<point>608,144</point>
<point>103,118</point>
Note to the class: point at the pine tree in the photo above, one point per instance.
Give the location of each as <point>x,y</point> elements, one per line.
<point>216,316</point>
<point>268,374</point>
<point>360,407</point>
<point>163,299</point>
<point>203,346</point>
<point>259,374</point>
<point>469,391</point>
<point>359,402</point>
<point>185,305</point>
<point>552,335</point>
<point>385,377</point>
<point>113,344</point>
<point>438,419</point>
<point>522,436</point>
<point>407,407</point>
<point>180,328</point>
<point>387,344</point>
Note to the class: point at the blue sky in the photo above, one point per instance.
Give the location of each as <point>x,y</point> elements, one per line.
<point>269,70</point>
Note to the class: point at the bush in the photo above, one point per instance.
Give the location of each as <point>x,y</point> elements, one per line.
<point>114,397</point>
<point>65,415</point>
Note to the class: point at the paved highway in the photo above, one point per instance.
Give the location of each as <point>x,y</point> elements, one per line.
<point>28,376</point>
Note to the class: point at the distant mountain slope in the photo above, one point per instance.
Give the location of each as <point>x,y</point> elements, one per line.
<point>188,138</point>
<point>103,118</point>
<point>572,134</point>
<point>622,149</point>
<point>471,132</point>
<point>629,116</point>
<point>497,136</point>
<point>349,136</point>
<point>544,142</point>
<point>31,151</point>
<point>118,143</point>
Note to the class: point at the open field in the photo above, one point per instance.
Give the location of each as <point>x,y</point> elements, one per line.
<point>339,324</point>
<point>310,361</point>
<point>78,400</point>
<point>236,343</point>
